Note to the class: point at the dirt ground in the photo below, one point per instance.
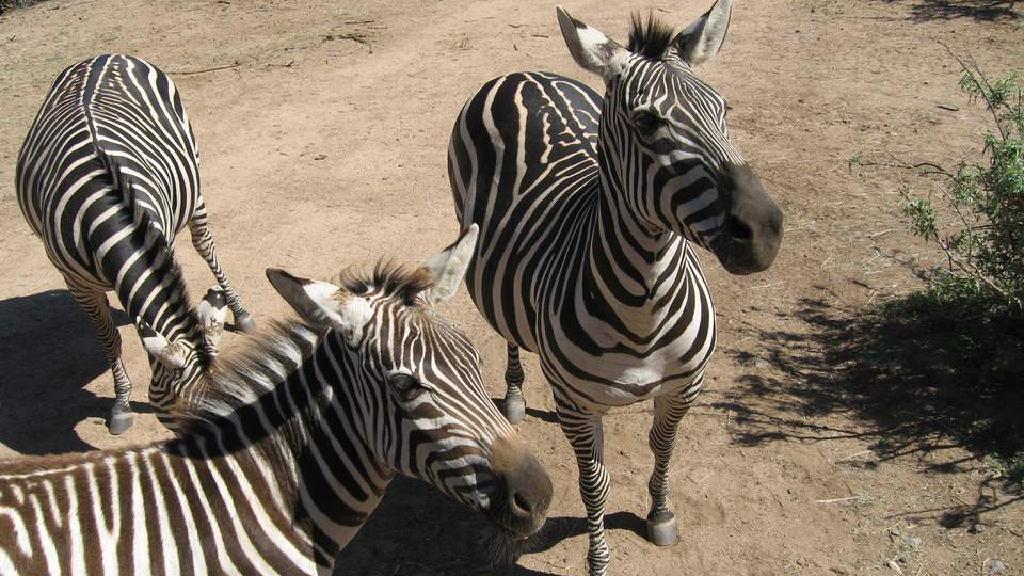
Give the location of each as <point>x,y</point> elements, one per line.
<point>323,130</point>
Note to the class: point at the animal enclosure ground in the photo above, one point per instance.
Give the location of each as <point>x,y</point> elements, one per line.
<point>322,128</point>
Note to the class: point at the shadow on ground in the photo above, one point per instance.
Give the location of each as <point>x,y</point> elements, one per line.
<point>984,10</point>
<point>417,531</point>
<point>920,381</point>
<point>49,353</point>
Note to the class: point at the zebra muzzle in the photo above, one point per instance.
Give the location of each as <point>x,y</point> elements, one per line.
<point>752,232</point>
<point>523,493</point>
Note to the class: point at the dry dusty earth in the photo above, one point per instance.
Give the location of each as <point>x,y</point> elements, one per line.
<point>323,135</point>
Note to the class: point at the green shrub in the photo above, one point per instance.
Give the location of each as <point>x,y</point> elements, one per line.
<point>979,220</point>
<point>975,303</point>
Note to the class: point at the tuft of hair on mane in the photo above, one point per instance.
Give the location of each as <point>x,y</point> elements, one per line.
<point>389,278</point>
<point>649,37</point>
<point>243,375</point>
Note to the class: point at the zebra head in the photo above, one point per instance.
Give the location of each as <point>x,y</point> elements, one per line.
<point>664,148</point>
<point>415,380</point>
<point>178,365</point>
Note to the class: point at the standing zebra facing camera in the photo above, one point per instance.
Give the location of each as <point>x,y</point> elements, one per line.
<point>292,445</point>
<point>589,210</point>
<point>108,176</point>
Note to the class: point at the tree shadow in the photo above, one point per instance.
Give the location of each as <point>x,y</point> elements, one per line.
<point>919,379</point>
<point>417,531</point>
<point>50,353</point>
<point>983,10</point>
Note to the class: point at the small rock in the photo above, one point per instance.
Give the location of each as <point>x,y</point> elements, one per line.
<point>320,157</point>
<point>978,528</point>
<point>760,364</point>
<point>995,567</point>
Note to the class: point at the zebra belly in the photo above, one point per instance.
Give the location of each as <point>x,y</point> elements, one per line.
<point>607,381</point>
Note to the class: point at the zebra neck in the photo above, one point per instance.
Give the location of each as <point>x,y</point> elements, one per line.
<point>340,467</point>
<point>305,436</point>
<point>151,285</point>
<point>633,277</point>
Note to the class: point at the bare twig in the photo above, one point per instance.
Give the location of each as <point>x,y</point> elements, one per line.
<point>935,168</point>
<point>830,500</point>
<point>204,70</point>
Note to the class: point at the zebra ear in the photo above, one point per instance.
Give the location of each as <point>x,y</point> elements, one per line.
<point>702,39</point>
<point>211,312</point>
<point>448,268</point>
<point>168,353</point>
<point>591,49</point>
<point>322,304</point>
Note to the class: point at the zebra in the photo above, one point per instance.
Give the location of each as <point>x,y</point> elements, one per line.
<point>291,446</point>
<point>107,177</point>
<point>589,209</point>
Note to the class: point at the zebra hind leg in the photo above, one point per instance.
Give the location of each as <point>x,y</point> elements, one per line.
<point>95,303</point>
<point>202,241</point>
<point>585,431</point>
<point>515,403</point>
<point>668,411</point>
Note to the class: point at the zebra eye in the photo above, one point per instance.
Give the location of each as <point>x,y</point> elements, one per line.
<point>406,385</point>
<point>646,121</point>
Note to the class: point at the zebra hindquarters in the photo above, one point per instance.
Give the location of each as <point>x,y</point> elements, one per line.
<point>521,160</point>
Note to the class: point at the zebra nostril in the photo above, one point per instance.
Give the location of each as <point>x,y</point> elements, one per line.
<point>739,229</point>
<point>521,507</point>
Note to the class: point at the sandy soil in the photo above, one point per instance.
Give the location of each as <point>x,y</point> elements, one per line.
<point>323,138</point>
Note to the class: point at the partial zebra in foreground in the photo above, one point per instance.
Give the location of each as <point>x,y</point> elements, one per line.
<point>589,210</point>
<point>291,447</point>
<point>107,176</point>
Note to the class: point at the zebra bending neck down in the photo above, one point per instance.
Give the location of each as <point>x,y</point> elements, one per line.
<point>107,177</point>
<point>291,447</point>
<point>589,210</point>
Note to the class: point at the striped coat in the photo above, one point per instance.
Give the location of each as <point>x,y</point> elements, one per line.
<point>107,177</point>
<point>591,211</point>
<point>291,447</point>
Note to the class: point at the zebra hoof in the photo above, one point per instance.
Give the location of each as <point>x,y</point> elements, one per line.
<point>515,410</point>
<point>120,421</point>
<point>245,323</point>
<point>661,529</point>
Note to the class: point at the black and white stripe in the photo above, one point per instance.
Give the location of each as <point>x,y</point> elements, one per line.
<point>289,450</point>
<point>589,209</point>
<point>108,175</point>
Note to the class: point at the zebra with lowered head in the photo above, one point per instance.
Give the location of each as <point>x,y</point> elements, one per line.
<point>291,446</point>
<point>107,176</point>
<point>589,209</point>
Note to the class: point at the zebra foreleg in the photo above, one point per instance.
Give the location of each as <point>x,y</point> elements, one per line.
<point>668,411</point>
<point>95,303</point>
<point>585,431</point>
<point>515,403</point>
<point>202,241</point>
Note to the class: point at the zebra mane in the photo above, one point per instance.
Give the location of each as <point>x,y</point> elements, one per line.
<point>390,279</point>
<point>153,235</point>
<point>649,37</point>
<point>240,377</point>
